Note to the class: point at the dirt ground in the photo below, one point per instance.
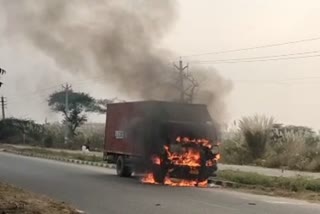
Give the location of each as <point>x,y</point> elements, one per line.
<point>17,201</point>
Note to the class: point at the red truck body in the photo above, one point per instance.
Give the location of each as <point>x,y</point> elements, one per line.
<point>136,130</point>
<point>118,116</point>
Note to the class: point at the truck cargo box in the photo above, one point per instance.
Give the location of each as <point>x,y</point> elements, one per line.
<point>137,132</point>
<point>126,122</point>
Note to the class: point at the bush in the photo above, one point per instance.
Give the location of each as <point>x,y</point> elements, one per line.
<point>234,150</point>
<point>256,131</point>
<point>247,178</point>
<point>295,184</point>
<point>17,131</point>
<point>260,142</point>
<point>294,151</point>
<point>313,185</point>
<point>54,132</point>
<point>48,142</point>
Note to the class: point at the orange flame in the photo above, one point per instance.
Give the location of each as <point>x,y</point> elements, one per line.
<point>148,179</point>
<point>203,183</point>
<point>189,156</point>
<point>156,160</point>
<point>202,142</point>
<point>180,183</point>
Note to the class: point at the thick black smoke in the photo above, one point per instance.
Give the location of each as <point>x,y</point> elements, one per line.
<point>114,39</point>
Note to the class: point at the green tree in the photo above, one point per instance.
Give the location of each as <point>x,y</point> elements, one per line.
<point>79,104</point>
<point>2,71</point>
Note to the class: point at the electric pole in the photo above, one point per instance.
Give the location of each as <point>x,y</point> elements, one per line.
<point>181,70</point>
<point>3,104</point>
<point>187,84</point>
<point>67,88</point>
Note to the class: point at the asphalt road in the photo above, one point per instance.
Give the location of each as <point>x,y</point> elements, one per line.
<point>260,170</point>
<point>98,190</point>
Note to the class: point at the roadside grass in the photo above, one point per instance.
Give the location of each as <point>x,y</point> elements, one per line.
<point>18,201</point>
<point>61,154</point>
<point>295,187</point>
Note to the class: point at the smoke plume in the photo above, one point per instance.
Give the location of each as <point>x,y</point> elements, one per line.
<point>112,39</point>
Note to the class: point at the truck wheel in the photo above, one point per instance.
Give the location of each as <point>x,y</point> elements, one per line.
<point>122,169</point>
<point>159,174</point>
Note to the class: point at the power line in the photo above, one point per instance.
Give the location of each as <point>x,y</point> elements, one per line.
<point>42,91</point>
<point>263,60</point>
<point>259,57</point>
<point>36,92</point>
<point>255,47</point>
<point>42,95</point>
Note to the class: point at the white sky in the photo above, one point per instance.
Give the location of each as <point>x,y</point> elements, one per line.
<point>287,90</point>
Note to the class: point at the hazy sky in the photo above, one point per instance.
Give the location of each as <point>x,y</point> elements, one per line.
<point>287,90</point>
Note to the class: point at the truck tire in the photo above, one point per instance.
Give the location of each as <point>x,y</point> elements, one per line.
<point>159,173</point>
<point>122,169</point>
<point>203,174</point>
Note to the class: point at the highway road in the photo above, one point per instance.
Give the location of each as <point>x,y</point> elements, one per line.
<point>257,169</point>
<point>98,190</point>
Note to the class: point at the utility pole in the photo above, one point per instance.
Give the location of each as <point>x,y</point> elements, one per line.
<point>181,70</point>
<point>3,104</point>
<point>187,85</point>
<point>67,88</point>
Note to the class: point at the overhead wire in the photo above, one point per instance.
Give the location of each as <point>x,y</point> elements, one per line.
<point>258,57</point>
<point>221,61</point>
<point>253,48</point>
<point>262,60</point>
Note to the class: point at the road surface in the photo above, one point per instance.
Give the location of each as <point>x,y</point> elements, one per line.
<point>98,190</point>
<point>257,169</point>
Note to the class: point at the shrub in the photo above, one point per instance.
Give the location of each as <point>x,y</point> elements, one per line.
<point>295,184</point>
<point>247,178</point>
<point>19,131</point>
<point>294,151</point>
<point>234,150</point>
<point>313,185</point>
<point>256,131</point>
<point>260,142</point>
<point>48,141</point>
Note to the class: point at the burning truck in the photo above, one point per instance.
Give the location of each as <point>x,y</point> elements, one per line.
<point>169,143</point>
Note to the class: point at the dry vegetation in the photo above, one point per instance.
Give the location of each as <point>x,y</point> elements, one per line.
<point>17,131</point>
<point>17,201</point>
<point>259,141</point>
<point>295,187</point>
